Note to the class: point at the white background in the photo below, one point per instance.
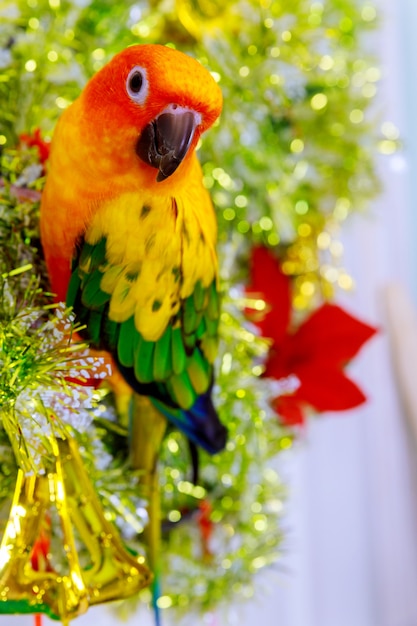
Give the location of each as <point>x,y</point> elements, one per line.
<point>351,549</point>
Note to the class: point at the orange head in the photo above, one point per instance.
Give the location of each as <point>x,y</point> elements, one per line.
<point>149,105</point>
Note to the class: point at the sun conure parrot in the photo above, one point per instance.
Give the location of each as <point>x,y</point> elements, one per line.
<point>129,235</point>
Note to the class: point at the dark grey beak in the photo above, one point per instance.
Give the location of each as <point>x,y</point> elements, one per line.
<point>165,141</point>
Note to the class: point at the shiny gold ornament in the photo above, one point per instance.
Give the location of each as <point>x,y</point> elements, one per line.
<point>199,16</point>
<point>115,574</point>
<point>112,574</point>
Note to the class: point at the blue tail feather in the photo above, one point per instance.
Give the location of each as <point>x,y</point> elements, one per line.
<point>200,423</point>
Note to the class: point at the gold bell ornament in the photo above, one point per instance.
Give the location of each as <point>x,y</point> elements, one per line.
<point>64,492</point>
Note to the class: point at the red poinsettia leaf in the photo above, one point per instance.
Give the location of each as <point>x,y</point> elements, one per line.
<point>332,334</point>
<point>289,409</point>
<point>327,389</point>
<point>268,282</point>
<point>280,363</point>
<point>35,140</point>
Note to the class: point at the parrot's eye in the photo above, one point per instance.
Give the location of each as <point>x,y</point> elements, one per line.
<point>135,82</point>
<point>137,85</point>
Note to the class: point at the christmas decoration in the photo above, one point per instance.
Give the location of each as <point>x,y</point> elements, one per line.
<point>111,574</point>
<point>290,159</point>
<point>314,352</point>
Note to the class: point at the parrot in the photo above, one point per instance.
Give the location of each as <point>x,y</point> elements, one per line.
<point>129,235</point>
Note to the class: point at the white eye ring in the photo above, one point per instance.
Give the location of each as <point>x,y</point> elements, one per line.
<point>137,84</point>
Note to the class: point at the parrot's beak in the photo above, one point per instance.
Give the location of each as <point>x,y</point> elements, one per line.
<point>165,141</point>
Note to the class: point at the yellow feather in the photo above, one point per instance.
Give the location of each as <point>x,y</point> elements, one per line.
<point>122,302</point>
<point>110,278</point>
<point>157,248</point>
<point>152,324</point>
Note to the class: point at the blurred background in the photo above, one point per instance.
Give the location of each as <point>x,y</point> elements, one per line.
<point>350,554</point>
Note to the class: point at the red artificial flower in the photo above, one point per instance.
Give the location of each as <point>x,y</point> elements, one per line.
<point>35,140</point>
<point>206,527</point>
<point>40,558</point>
<point>316,352</point>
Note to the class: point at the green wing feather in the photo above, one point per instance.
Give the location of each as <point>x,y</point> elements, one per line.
<point>199,371</point>
<point>125,342</point>
<point>180,359</point>
<point>178,353</point>
<point>181,390</point>
<point>144,359</point>
<point>162,360</point>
